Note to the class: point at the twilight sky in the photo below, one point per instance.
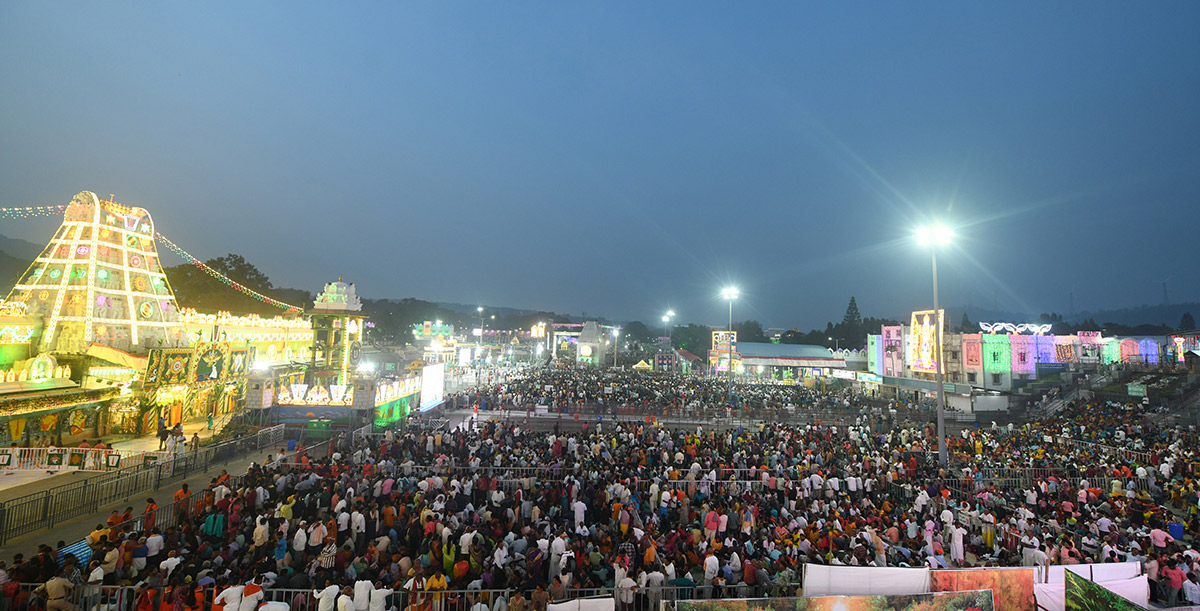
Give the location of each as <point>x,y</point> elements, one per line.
<point>621,158</point>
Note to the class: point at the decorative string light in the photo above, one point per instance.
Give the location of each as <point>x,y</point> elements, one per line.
<point>227,281</point>
<point>27,212</point>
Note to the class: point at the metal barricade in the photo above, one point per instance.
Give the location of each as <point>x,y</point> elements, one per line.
<point>29,513</point>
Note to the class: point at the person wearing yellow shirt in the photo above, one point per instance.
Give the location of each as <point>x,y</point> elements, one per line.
<point>437,583</point>
<point>94,537</point>
<point>285,509</point>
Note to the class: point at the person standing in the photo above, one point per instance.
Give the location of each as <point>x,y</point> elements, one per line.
<point>56,592</point>
<point>327,598</point>
<point>1172,578</point>
<point>345,602</point>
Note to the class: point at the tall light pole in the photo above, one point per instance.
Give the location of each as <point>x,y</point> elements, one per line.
<point>838,345</point>
<point>936,236</point>
<point>667,325</point>
<point>616,345</point>
<point>730,294</point>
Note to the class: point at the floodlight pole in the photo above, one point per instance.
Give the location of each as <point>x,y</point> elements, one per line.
<point>943,451</point>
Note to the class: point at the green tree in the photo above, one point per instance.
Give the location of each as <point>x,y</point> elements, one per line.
<point>637,330</point>
<point>1187,323</point>
<point>749,331</point>
<point>696,339</point>
<point>238,269</point>
<point>195,288</point>
<point>965,325</point>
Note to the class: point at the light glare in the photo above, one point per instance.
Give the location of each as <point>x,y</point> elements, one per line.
<point>934,235</point>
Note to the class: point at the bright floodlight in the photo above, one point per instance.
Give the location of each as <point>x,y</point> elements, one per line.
<point>479,309</point>
<point>666,319</point>
<point>729,293</point>
<point>616,332</point>
<point>670,312</point>
<point>935,235</point>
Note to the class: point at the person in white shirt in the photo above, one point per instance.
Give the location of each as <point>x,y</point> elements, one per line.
<point>300,541</point>
<point>170,563</point>
<point>327,598</point>
<point>230,598</point>
<point>154,545</point>
<point>345,602</point>
<point>252,594</point>
<point>379,596</point>
<point>1191,589</point>
<point>274,606</point>
<point>362,594</point>
<point>358,524</point>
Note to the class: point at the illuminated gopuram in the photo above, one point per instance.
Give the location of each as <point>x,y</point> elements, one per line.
<point>99,280</point>
<point>337,324</point>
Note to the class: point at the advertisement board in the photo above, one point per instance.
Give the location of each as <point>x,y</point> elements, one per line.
<point>433,386</point>
<point>925,331</point>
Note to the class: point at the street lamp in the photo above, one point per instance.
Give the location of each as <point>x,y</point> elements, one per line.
<point>667,324</point>
<point>730,293</point>
<point>935,236</point>
<point>838,344</point>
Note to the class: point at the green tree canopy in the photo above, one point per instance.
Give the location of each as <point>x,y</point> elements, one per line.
<point>749,331</point>
<point>696,339</point>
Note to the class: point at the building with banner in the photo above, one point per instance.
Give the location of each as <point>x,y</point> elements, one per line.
<point>1000,358</point>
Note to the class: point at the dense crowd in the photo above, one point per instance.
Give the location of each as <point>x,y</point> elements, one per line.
<point>494,517</point>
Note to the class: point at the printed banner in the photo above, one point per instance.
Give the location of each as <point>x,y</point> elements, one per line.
<point>978,600</point>
<point>239,362</point>
<point>175,366</point>
<point>209,363</point>
<point>153,369</point>
<point>1084,595</point>
<point>1011,588</point>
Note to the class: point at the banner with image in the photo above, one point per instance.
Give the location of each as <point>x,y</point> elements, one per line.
<point>1011,588</point>
<point>977,600</point>
<point>175,367</point>
<point>1085,595</point>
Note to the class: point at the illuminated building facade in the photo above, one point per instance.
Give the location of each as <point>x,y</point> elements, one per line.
<point>337,328</point>
<point>1002,356</point>
<point>99,280</point>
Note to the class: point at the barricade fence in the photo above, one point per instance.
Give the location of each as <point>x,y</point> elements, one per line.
<point>360,434</point>
<point>74,459</point>
<point>44,509</point>
<point>171,513</point>
<point>1104,450</point>
<point>122,598</point>
<point>694,411</point>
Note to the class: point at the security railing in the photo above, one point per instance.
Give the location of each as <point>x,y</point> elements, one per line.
<point>44,509</point>
<point>74,459</point>
<point>29,598</point>
<point>174,512</point>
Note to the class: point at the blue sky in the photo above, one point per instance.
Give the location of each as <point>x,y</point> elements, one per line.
<point>623,158</point>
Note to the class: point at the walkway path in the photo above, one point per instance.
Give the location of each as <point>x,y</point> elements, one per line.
<point>15,484</point>
<point>73,530</point>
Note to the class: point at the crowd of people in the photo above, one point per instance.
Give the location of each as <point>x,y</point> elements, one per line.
<point>493,515</point>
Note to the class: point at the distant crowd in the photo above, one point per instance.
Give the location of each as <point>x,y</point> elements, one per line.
<point>493,517</point>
